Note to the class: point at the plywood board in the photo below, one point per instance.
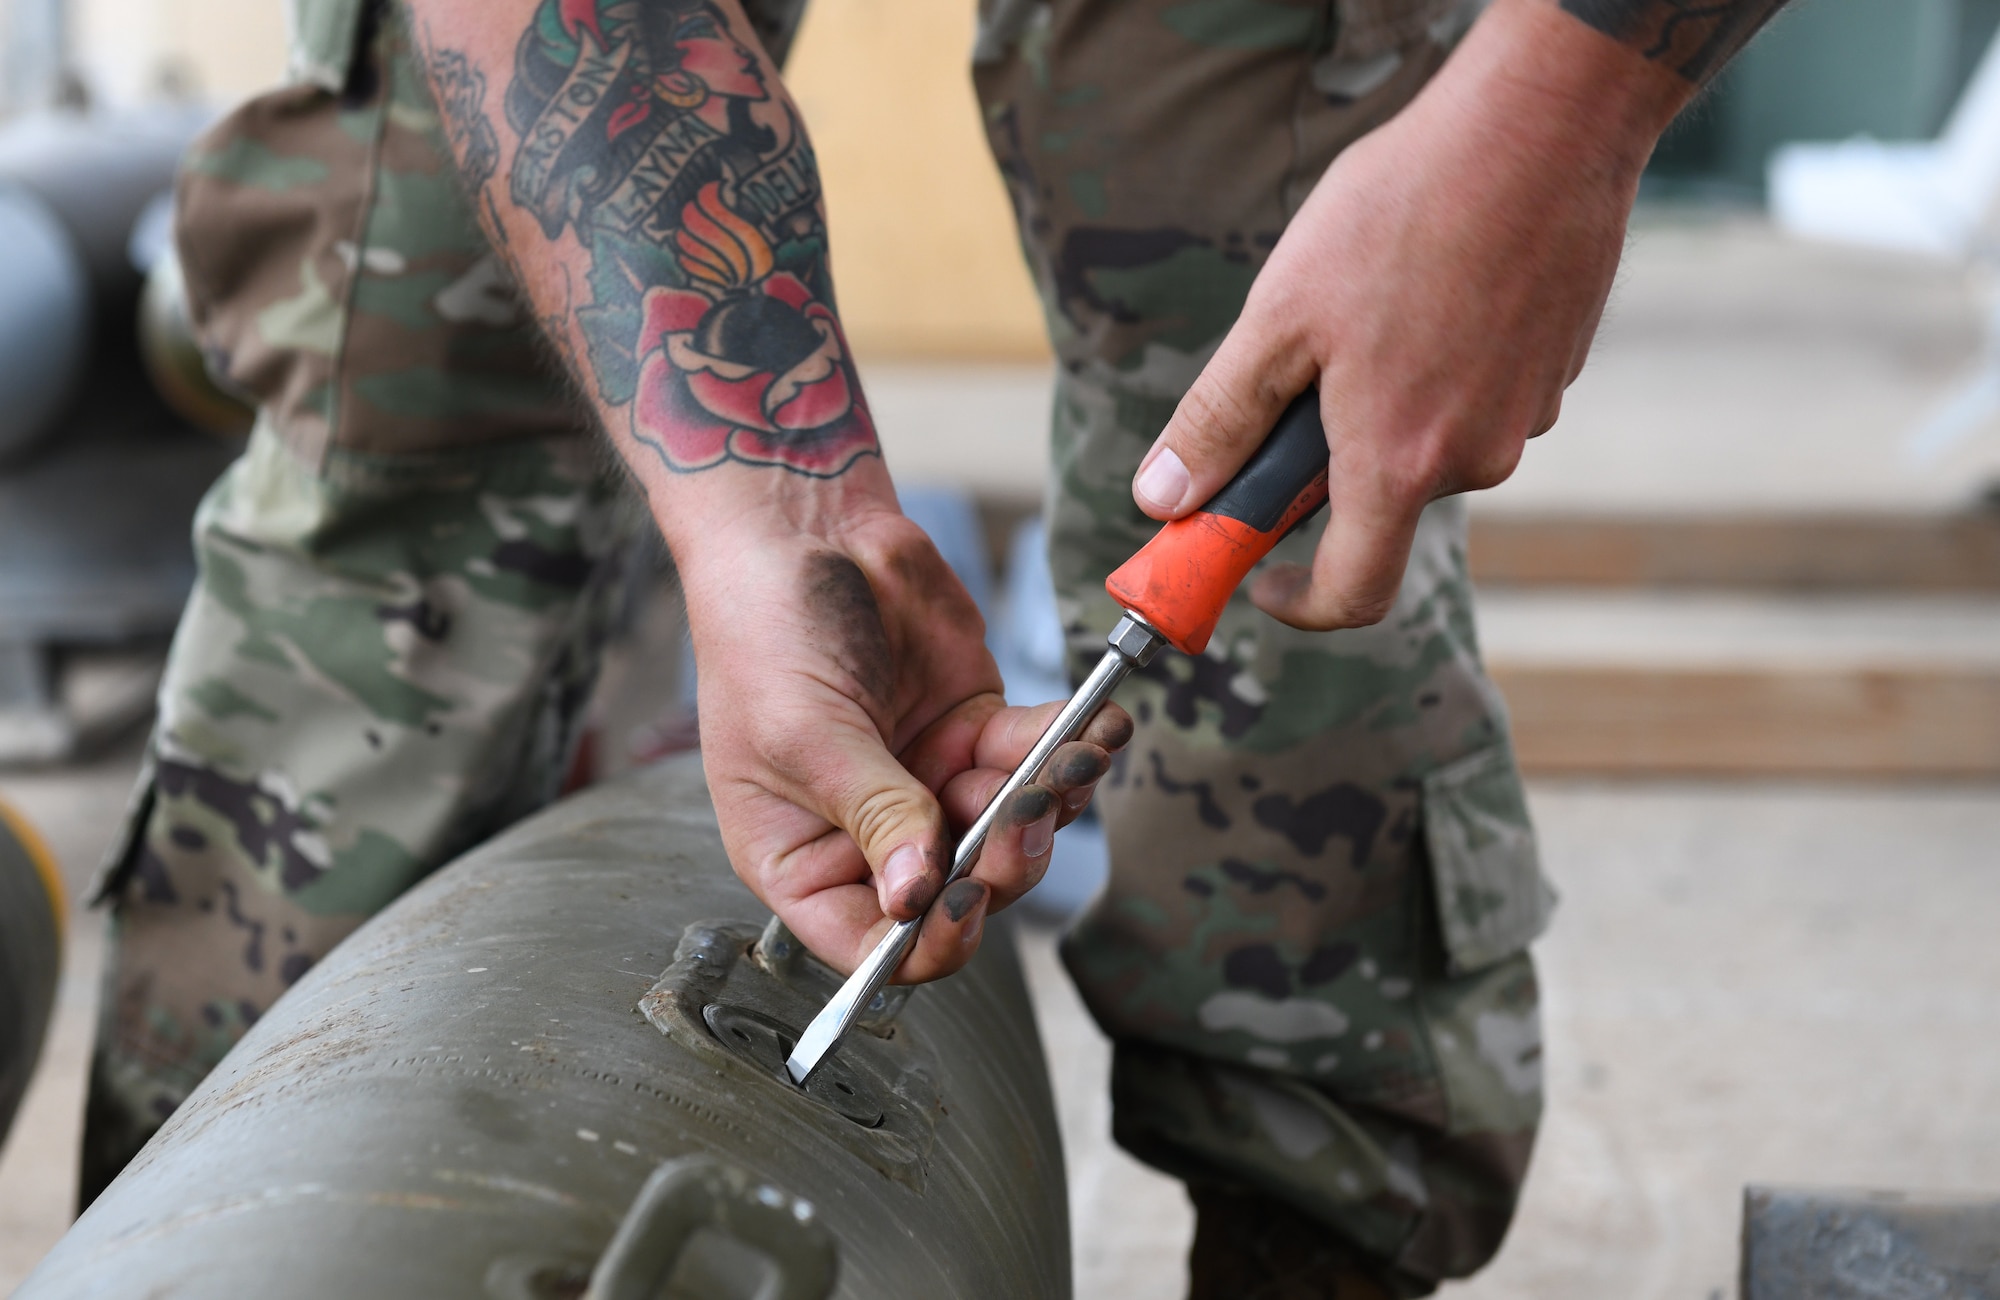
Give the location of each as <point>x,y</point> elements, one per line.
<point>1957,552</point>
<point>1884,722</point>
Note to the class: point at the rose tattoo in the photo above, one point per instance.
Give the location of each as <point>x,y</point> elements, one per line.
<point>648,133</point>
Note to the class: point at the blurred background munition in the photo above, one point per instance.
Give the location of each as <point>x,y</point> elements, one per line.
<point>1744,599</point>
<point>31,925</point>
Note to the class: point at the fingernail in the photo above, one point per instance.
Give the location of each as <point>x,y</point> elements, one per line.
<point>910,885</point>
<point>1030,804</point>
<point>962,897</point>
<point>1039,837</point>
<point>1163,480</point>
<point>1079,797</point>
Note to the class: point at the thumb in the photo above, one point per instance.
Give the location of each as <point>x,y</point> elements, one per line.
<point>1223,419</point>
<point>890,815</point>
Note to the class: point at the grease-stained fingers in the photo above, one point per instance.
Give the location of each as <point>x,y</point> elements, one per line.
<point>1110,729</point>
<point>1015,856</point>
<point>1073,772</point>
<point>950,933</point>
<point>1012,732</point>
<point>1015,853</point>
<point>945,748</point>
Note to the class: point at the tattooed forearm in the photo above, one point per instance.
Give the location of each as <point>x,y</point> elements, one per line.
<point>666,172</point>
<point>1691,37</point>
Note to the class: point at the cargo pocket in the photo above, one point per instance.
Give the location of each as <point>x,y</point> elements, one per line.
<point>1492,899</point>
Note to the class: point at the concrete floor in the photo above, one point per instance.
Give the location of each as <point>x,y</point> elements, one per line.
<point>1764,983</point>
<point>1767,982</point>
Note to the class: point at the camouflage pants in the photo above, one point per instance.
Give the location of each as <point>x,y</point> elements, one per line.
<point>1312,951</point>
<point>404,584</point>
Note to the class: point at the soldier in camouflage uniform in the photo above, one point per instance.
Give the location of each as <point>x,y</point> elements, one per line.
<point>1311,957</point>
<point>405,582</point>
<point>1312,951</point>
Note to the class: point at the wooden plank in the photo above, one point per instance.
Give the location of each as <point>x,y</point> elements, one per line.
<point>1807,721</point>
<point>1929,553</point>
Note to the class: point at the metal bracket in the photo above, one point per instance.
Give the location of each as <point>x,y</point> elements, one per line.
<point>701,1228</point>
<point>737,997</point>
<point>780,953</point>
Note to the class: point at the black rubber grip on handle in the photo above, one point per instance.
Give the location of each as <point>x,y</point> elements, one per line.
<point>1288,464</point>
<point>1182,579</point>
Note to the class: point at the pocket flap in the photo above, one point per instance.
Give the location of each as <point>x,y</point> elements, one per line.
<point>1492,898</point>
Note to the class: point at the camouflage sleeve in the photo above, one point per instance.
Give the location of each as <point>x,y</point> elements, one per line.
<point>1693,38</point>
<point>652,187</point>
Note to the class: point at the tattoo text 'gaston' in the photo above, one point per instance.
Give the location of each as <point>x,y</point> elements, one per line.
<point>1692,37</point>
<point>649,133</point>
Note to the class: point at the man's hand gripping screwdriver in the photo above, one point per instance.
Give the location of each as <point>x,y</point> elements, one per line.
<point>1173,592</point>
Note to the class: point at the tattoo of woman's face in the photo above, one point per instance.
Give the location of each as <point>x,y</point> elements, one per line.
<point>649,135</point>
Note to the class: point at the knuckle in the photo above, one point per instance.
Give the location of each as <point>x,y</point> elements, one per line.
<point>1494,466</point>
<point>1370,610</point>
<point>1358,608</point>
<point>786,750</point>
<point>924,965</point>
<point>1210,421</point>
<point>1363,611</point>
<point>1424,472</point>
<point>875,815</point>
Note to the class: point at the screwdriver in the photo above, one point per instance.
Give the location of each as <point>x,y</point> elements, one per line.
<point>1173,593</point>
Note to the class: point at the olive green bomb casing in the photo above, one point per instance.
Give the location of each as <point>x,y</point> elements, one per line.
<point>555,1070</point>
<point>31,916</point>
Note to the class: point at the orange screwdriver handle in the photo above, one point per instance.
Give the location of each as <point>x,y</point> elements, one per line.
<point>1181,580</point>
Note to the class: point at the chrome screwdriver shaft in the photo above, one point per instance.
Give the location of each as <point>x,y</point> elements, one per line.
<point>1132,645</point>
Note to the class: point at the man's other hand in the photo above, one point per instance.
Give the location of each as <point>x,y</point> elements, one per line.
<point>1441,285</point>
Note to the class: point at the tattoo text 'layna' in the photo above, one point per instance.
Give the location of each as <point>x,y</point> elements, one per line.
<point>648,130</point>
